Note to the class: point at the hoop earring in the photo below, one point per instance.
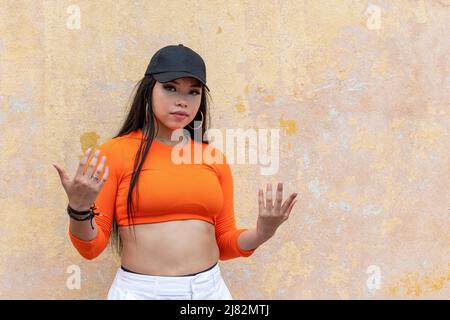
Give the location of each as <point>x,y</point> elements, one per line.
<point>200,123</point>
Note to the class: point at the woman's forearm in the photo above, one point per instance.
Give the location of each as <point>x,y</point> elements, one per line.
<point>249,239</point>
<point>83,229</point>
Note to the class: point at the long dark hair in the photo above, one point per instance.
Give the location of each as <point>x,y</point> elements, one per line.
<point>138,119</point>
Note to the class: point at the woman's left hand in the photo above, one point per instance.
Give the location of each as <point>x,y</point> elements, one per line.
<point>272,216</point>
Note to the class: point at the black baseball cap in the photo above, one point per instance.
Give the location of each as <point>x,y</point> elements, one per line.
<point>177,61</point>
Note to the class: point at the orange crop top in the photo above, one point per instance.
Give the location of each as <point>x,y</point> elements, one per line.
<point>167,191</point>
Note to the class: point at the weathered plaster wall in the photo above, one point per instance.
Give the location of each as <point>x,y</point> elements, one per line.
<point>359,89</point>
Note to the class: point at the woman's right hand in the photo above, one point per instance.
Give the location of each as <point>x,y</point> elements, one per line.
<point>84,188</point>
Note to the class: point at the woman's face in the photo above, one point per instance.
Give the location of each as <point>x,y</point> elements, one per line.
<point>179,95</point>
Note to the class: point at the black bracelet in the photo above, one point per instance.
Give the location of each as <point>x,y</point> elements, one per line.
<point>80,213</point>
<point>80,219</point>
<point>72,214</point>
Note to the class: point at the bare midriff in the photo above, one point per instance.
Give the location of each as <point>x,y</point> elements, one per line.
<point>170,248</point>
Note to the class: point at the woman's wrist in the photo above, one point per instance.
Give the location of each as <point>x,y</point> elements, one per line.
<point>79,208</point>
<point>83,215</point>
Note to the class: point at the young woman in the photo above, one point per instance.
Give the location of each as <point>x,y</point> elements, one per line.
<point>170,222</point>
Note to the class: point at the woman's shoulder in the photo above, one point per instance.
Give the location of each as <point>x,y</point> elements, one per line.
<point>111,144</point>
<point>114,149</point>
<point>118,151</point>
<point>120,141</point>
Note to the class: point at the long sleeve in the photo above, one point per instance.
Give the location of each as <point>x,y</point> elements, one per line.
<point>106,205</point>
<point>225,223</point>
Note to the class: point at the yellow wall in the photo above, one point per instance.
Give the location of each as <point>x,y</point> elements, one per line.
<point>359,89</point>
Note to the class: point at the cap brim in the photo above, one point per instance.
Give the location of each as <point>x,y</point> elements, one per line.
<point>169,76</point>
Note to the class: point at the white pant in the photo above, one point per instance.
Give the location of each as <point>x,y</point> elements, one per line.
<point>206,285</point>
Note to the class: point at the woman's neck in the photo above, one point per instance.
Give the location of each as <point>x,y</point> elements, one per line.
<point>167,139</point>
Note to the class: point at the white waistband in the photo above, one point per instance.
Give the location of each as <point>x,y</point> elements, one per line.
<point>179,283</point>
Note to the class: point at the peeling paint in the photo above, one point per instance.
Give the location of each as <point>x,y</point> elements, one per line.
<point>89,140</point>
<point>289,126</point>
<point>417,284</point>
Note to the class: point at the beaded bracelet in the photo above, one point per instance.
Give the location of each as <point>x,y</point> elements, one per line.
<point>73,213</point>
